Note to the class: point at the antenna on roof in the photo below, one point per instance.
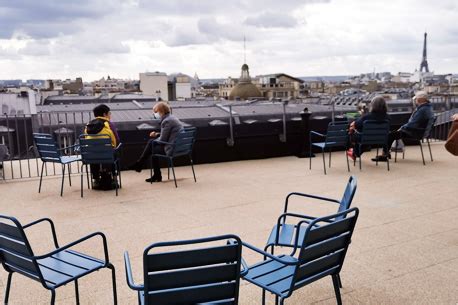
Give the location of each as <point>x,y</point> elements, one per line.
<point>244,49</point>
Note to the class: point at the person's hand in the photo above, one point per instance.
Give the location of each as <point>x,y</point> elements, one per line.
<point>154,134</point>
<point>455,117</point>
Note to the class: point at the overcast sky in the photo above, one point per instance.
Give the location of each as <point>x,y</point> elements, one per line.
<point>121,38</point>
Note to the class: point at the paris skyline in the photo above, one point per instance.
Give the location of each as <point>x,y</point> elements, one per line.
<point>91,39</point>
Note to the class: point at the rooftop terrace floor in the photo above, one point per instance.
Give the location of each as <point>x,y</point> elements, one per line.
<point>404,249</point>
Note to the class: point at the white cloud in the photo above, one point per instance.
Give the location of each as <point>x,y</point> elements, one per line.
<point>52,38</point>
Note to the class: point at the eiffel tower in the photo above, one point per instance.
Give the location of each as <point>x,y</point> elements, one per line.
<point>424,61</point>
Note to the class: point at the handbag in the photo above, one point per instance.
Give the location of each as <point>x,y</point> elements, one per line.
<point>451,145</point>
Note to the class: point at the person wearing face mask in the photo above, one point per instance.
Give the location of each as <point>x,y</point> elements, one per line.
<point>170,127</point>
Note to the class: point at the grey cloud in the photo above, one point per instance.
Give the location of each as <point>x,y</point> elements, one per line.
<point>272,20</point>
<point>215,31</point>
<point>36,48</point>
<point>48,18</point>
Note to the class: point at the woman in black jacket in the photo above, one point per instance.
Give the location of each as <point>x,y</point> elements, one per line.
<point>378,113</point>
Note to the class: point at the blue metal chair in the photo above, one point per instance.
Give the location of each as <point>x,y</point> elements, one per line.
<point>97,149</point>
<point>374,134</point>
<point>53,270</point>
<point>335,137</point>
<point>183,146</point>
<point>426,137</point>
<point>209,275</point>
<point>320,253</point>
<point>49,151</point>
<point>283,234</point>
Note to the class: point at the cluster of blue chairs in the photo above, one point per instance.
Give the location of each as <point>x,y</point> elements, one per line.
<point>374,134</point>
<point>97,149</point>
<point>209,270</point>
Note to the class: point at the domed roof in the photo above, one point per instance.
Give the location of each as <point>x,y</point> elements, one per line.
<point>244,91</point>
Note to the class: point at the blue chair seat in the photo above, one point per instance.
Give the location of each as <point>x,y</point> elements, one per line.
<point>267,273</point>
<point>66,266</point>
<point>69,159</point>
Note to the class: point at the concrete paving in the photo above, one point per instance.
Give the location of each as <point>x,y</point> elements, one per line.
<point>404,249</point>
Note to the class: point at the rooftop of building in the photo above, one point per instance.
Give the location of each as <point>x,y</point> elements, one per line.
<point>404,249</point>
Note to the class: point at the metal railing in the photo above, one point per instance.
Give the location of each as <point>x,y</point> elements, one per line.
<point>16,133</point>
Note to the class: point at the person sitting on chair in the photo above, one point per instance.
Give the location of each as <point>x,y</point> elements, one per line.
<point>170,127</point>
<point>378,112</point>
<point>102,175</point>
<point>415,127</point>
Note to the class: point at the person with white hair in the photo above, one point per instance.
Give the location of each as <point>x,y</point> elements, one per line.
<point>415,127</point>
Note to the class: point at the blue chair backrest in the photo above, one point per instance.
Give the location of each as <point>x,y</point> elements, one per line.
<point>375,133</point>
<point>184,142</point>
<point>96,149</point>
<point>47,147</point>
<point>337,134</point>
<point>348,195</point>
<point>16,254</point>
<point>429,127</point>
<point>324,247</point>
<point>194,276</point>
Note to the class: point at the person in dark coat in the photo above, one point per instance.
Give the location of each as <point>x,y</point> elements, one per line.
<point>378,112</point>
<point>170,127</point>
<point>415,127</point>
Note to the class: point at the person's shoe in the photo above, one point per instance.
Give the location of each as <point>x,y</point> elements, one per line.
<point>380,159</point>
<point>155,178</point>
<point>350,154</point>
<point>137,166</point>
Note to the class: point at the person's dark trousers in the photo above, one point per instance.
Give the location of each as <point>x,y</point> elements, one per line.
<point>151,148</point>
<point>393,136</point>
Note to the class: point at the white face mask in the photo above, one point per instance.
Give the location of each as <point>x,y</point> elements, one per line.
<point>156,115</point>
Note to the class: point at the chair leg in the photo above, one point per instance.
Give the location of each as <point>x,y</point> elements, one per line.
<point>376,158</point>
<point>422,155</point>
<point>77,294</point>
<point>330,153</point>
<point>116,180</point>
<point>53,296</point>
<point>388,163</point>
<point>113,278</point>
<point>8,285</point>
<point>63,178</point>
<point>119,174</point>
<point>87,175</point>
<point>310,157</point>
<point>263,297</point>
<point>69,174</point>
<point>151,170</point>
<point>173,172</point>
<point>340,280</point>
<point>359,162</point>
<point>396,152</point>
<point>324,161</point>
<point>192,166</point>
<point>429,147</point>
<point>168,170</point>
<point>348,162</point>
<point>82,180</point>
<point>276,300</point>
<point>335,281</point>
<point>282,301</point>
<point>41,176</point>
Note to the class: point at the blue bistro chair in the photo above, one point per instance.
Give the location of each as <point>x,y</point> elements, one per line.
<point>49,152</point>
<point>206,275</point>
<point>320,253</point>
<point>374,134</point>
<point>57,268</point>
<point>336,137</point>
<point>182,146</point>
<point>97,149</point>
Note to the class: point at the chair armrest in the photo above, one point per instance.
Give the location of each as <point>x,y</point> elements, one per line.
<point>265,254</point>
<point>129,277</point>
<point>71,146</point>
<point>118,147</point>
<point>104,241</point>
<point>307,196</point>
<point>51,224</point>
<point>162,142</point>
<point>317,134</point>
